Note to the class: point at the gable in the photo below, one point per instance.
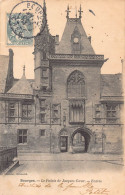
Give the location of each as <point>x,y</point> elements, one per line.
<point>22,86</point>
<point>74,28</point>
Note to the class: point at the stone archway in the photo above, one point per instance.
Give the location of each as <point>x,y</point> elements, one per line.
<point>82,140</point>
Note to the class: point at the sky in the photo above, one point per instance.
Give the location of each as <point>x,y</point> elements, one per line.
<point>106,28</point>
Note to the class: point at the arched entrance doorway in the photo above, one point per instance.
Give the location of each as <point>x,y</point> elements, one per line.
<point>63,141</point>
<point>81,140</point>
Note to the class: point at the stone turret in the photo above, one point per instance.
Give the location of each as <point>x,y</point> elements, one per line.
<point>44,46</point>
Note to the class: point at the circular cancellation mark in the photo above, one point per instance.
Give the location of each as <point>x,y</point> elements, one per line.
<point>26,19</point>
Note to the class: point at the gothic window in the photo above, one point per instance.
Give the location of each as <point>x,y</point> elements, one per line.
<point>56,113</point>
<point>98,113</point>
<point>43,117</point>
<point>11,112</point>
<point>111,113</point>
<point>26,110</point>
<point>76,85</point>
<point>76,111</point>
<point>43,110</point>
<point>22,136</point>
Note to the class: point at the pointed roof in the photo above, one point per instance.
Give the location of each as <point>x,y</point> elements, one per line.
<point>111,85</point>
<point>44,20</point>
<point>44,41</point>
<point>21,87</point>
<point>65,45</point>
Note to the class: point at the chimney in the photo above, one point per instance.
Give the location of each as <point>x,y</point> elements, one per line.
<point>9,79</point>
<point>89,38</point>
<point>11,54</point>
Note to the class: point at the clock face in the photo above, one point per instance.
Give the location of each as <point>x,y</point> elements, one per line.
<point>76,40</point>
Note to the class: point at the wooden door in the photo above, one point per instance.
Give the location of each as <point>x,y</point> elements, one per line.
<point>63,143</point>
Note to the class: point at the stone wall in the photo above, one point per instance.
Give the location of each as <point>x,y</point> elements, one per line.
<point>111,135</point>
<point>104,138</point>
<point>92,84</point>
<point>6,157</point>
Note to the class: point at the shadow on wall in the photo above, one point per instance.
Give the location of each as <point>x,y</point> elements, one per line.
<point>82,140</point>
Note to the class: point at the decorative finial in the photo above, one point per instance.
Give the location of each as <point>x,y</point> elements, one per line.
<point>44,3</point>
<point>44,20</point>
<point>44,7</point>
<point>68,11</point>
<point>24,70</point>
<point>76,12</point>
<point>122,62</point>
<point>80,11</point>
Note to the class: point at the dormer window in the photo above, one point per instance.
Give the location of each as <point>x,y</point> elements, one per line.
<point>76,43</point>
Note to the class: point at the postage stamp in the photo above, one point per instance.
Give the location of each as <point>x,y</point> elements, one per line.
<point>26,19</point>
<point>13,39</point>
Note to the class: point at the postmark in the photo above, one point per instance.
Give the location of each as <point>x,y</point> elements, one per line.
<point>27,19</point>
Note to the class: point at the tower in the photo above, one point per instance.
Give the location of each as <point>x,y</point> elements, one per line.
<point>44,46</point>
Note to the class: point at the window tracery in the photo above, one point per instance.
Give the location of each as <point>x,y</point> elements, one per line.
<point>76,85</point>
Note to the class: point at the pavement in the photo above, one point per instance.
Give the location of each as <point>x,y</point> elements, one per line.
<point>63,162</point>
<point>69,157</point>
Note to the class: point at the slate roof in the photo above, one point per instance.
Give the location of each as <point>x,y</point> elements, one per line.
<point>31,81</point>
<point>22,86</point>
<point>4,62</point>
<point>111,85</point>
<point>65,44</point>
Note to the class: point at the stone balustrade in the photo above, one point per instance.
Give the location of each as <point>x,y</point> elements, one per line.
<point>77,56</point>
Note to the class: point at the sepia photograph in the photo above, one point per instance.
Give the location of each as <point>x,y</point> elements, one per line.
<point>62,96</point>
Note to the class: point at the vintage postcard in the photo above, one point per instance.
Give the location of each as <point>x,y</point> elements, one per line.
<point>62,97</point>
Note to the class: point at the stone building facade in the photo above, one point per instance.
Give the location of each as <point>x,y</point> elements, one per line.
<point>69,106</point>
